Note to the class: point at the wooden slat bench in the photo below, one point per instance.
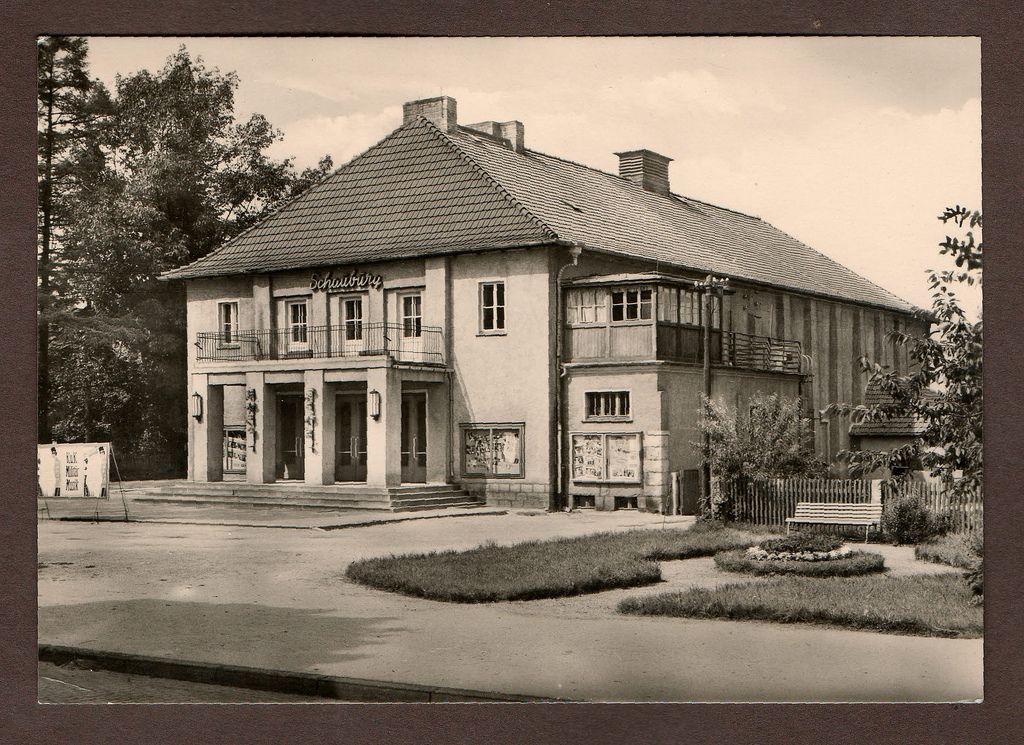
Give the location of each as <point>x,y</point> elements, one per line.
<point>837,513</point>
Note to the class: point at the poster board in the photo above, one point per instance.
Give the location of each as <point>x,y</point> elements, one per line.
<point>623,457</point>
<point>607,457</point>
<point>74,470</point>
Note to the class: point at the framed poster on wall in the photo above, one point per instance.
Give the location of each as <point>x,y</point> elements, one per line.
<point>492,451</point>
<point>607,457</point>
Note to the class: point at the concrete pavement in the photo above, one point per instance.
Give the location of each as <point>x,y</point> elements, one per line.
<point>279,599</point>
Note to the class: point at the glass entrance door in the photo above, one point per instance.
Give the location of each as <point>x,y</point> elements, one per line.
<point>350,438</point>
<point>291,454</point>
<point>414,438</point>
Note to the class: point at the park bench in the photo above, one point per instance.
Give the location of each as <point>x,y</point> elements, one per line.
<point>836,513</point>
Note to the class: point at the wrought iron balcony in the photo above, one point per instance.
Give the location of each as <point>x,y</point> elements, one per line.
<point>401,342</point>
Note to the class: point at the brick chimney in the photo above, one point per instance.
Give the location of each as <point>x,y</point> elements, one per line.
<point>647,168</point>
<point>511,131</point>
<point>441,111</point>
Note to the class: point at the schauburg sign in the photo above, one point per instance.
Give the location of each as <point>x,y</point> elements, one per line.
<point>354,281</point>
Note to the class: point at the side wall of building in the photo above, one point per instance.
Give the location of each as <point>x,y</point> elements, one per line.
<point>834,334</point>
<point>505,378</point>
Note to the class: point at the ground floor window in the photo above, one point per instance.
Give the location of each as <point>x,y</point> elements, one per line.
<point>607,404</point>
<point>492,450</point>
<point>606,456</point>
<point>234,449</point>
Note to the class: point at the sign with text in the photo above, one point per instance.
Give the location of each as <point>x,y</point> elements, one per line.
<point>80,469</point>
<point>353,281</point>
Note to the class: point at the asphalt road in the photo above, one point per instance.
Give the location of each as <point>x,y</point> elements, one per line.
<point>279,599</point>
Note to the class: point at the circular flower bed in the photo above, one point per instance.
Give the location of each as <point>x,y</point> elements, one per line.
<point>803,553</point>
<point>848,564</point>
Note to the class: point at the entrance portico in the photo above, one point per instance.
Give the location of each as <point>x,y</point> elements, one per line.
<point>379,426</point>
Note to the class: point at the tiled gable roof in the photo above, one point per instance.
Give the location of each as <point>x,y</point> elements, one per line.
<point>421,191</point>
<point>409,195</point>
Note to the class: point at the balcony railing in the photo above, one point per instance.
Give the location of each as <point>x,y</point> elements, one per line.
<point>761,352</point>
<point>732,348</point>
<point>396,340</point>
<point>681,343</point>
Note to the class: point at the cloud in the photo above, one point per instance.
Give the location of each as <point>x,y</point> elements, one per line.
<point>342,137</point>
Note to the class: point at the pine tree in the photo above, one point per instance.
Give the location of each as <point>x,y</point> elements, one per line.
<point>70,109</point>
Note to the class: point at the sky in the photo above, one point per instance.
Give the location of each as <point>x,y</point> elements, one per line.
<point>853,145</point>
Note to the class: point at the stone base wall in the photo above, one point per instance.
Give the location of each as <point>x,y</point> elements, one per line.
<point>512,494</point>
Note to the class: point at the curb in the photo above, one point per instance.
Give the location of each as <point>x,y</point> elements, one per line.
<point>217,523</point>
<point>356,690</point>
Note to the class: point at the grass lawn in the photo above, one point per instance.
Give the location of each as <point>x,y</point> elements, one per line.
<point>954,550</point>
<point>927,605</point>
<point>546,569</point>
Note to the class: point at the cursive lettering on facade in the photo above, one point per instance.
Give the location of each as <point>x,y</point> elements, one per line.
<point>352,281</point>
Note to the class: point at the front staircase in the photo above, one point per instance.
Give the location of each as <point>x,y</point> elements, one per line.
<point>406,498</point>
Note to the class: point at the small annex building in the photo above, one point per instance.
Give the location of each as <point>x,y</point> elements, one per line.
<point>452,311</point>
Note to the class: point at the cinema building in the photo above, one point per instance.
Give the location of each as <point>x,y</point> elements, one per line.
<point>453,316</point>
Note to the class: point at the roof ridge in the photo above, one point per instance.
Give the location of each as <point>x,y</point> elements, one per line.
<point>877,286</point>
<point>278,208</point>
<point>704,203</point>
<point>486,174</point>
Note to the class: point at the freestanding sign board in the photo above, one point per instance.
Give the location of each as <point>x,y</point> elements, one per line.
<point>80,469</point>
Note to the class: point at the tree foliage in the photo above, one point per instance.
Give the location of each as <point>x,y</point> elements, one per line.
<point>70,111</point>
<point>943,389</point>
<point>772,441</point>
<point>167,176</point>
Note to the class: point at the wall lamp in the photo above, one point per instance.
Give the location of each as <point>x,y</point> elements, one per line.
<point>197,406</point>
<point>373,404</point>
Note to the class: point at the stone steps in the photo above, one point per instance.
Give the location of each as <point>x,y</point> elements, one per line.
<point>334,496</point>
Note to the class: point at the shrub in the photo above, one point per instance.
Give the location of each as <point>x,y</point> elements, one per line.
<point>905,519</point>
<point>799,542</point>
<point>856,563</point>
<point>976,574</point>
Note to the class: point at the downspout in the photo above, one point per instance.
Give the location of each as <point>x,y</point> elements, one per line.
<point>574,253</point>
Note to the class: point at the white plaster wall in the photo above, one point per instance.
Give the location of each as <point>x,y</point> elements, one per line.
<point>505,378</point>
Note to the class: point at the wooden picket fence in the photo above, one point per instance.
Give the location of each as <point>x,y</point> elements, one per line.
<point>771,501</point>
<point>963,512</point>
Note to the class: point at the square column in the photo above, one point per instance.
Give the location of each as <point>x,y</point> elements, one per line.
<point>261,459</point>
<point>319,450</point>
<point>437,434</point>
<point>384,434</point>
<point>208,432</point>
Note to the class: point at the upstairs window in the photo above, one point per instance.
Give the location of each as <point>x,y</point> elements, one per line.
<point>690,303</point>
<point>297,323</point>
<point>631,305</point>
<point>492,307</point>
<point>586,306</point>
<point>227,315</point>
<point>607,404</point>
<point>412,316</point>
<point>352,310</point>
<point>691,308</point>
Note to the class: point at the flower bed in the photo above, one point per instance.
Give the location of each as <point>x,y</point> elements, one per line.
<point>837,563</point>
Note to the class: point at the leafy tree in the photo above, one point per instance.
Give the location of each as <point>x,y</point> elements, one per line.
<point>175,175</point>
<point>943,389</point>
<point>70,111</point>
<point>771,442</point>
<point>311,176</point>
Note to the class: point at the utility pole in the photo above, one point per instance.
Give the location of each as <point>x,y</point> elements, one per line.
<point>711,286</point>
